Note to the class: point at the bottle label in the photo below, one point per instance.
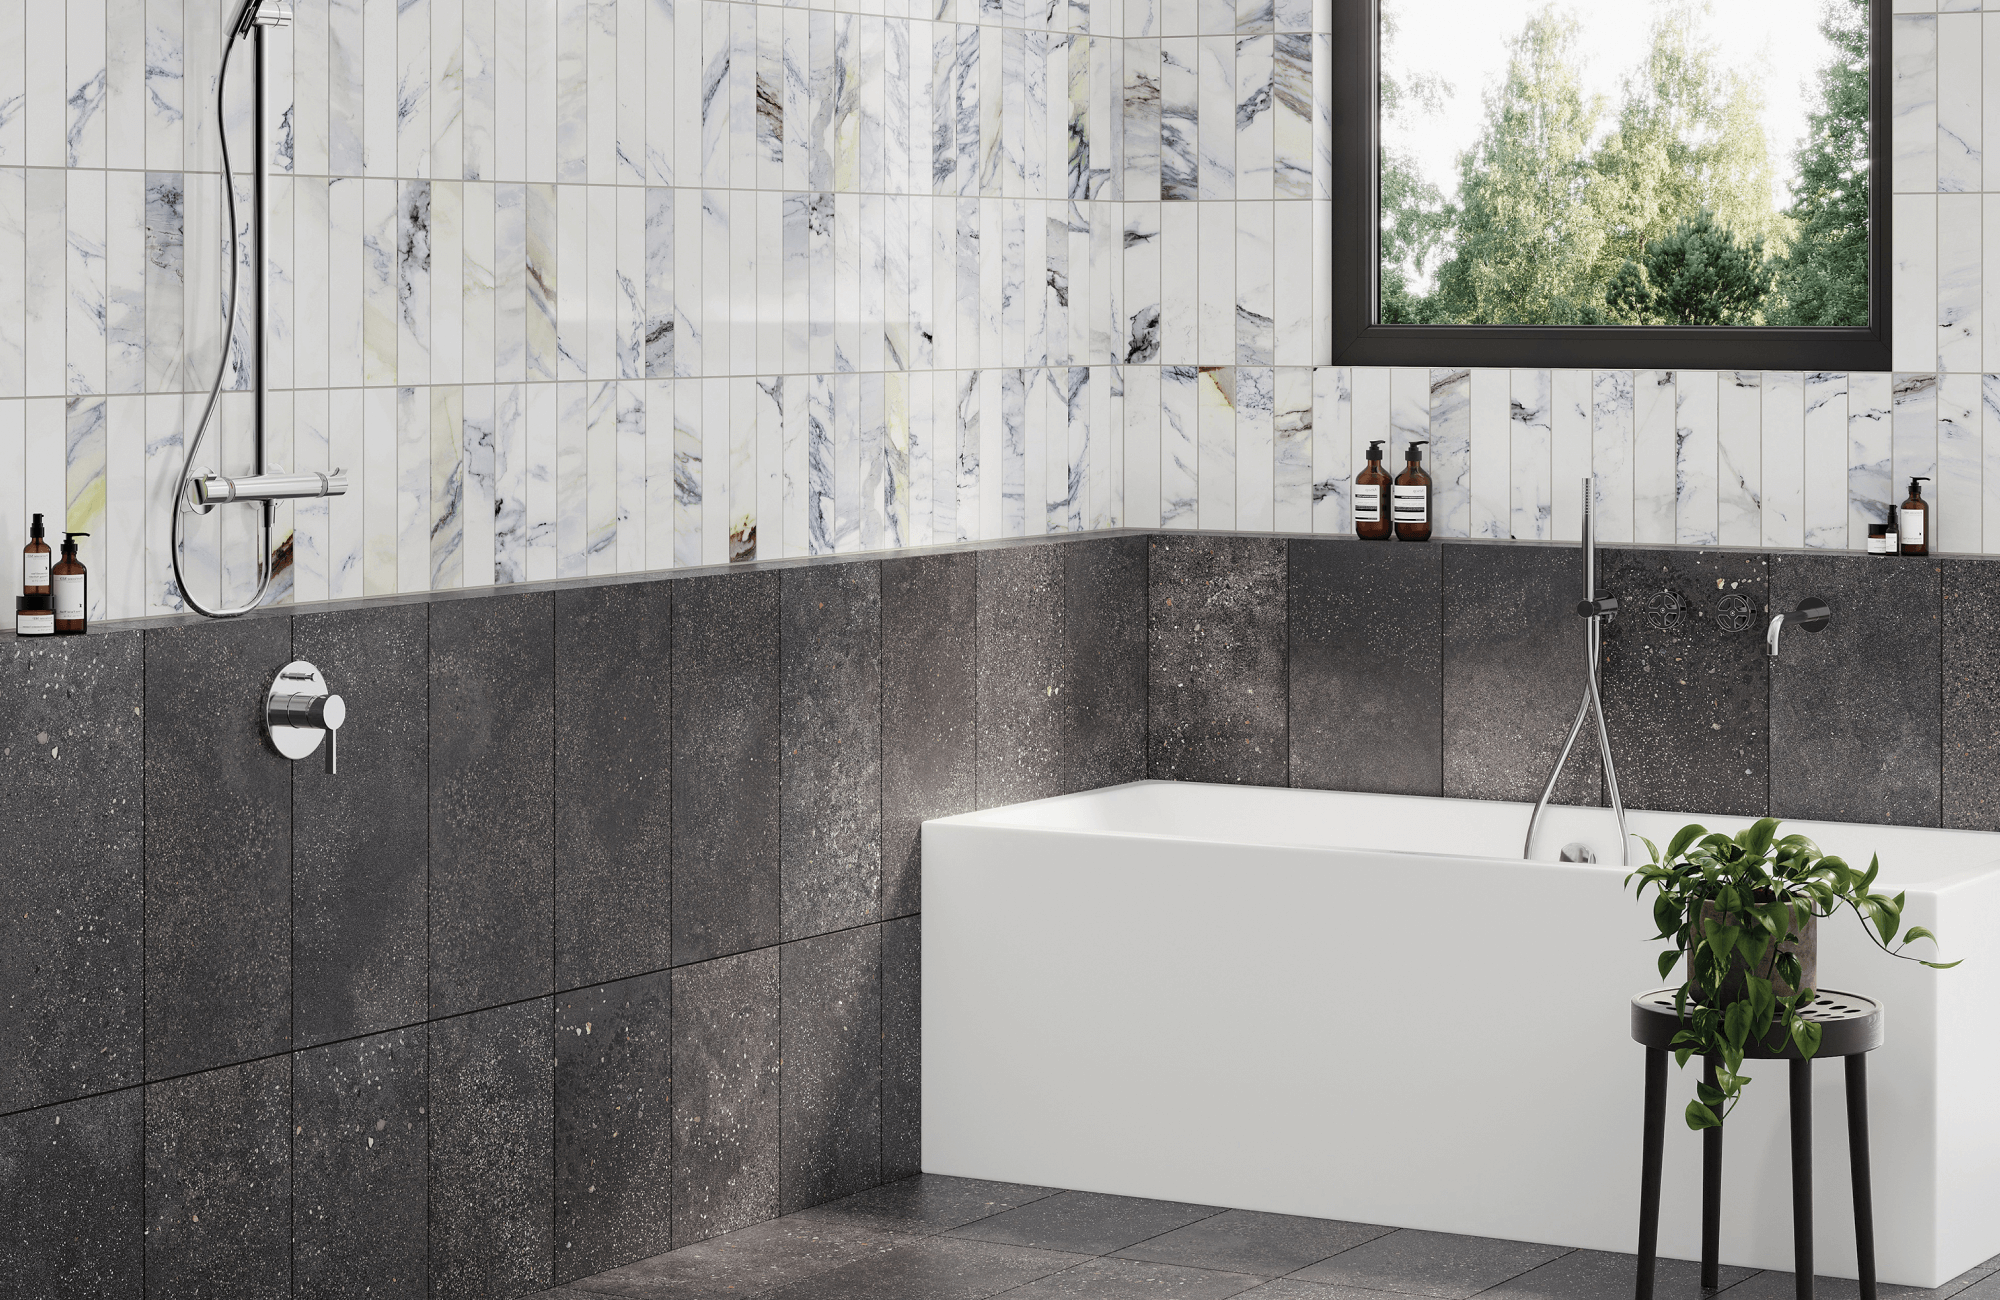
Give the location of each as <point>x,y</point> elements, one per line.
<point>35,623</point>
<point>69,595</point>
<point>1413,503</point>
<point>1913,527</point>
<point>35,570</point>
<point>1367,503</point>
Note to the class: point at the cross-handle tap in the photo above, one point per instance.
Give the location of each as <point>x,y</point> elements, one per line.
<point>1813,614</point>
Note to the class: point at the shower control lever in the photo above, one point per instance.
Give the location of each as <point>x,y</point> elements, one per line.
<point>300,711</point>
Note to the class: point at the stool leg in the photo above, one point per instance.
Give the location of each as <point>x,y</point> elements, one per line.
<point>1802,1221</point>
<point>1649,1170</point>
<point>1857,1151</point>
<point>1711,1198</point>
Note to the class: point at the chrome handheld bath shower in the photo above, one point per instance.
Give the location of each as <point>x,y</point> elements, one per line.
<point>1593,609</point>
<point>201,491</point>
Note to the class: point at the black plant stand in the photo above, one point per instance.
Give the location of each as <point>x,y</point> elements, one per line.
<point>1850,1028</point>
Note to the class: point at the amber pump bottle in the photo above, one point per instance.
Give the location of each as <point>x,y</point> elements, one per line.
<point>1371,498</point>
<point>1412,495</point>
<point>35,560</point>
<point>1913,524</point>
<point>72,590</point>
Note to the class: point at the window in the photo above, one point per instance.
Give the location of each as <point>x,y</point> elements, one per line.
<point>1604,183</point>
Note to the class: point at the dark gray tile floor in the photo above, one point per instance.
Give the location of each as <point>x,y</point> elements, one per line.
<point>937,1238</point>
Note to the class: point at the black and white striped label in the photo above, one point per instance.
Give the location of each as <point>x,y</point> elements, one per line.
<point>1368,503</point>
<point>1413,503</point>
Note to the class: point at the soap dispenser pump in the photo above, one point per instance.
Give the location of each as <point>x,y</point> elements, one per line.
<point>1371,498</point>
<point>72,590</point>
<point>1412,495</point>
<point>1914,525</point>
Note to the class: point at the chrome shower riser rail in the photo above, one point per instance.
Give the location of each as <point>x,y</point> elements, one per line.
<point>1593,698</point>
<point>199,490</point>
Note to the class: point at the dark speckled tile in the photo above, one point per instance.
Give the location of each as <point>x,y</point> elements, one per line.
<point>614,785</point>
<point>928,1204</point>
<point>361,838</point>
<point>218,909</point>
<point>218,1182</point>
<point>726,765</point>
<point>1104,637</point>
<point>1596,1274</point>
<point>929,706</point>
<point>1855,728</point>
<point>70,739</point>
<point>1688,702</point>
<point>492,784</point>
<point>1124,1279</point>
<point>1972,694</point>
<point>902,1047</point>
<point>831,821</point>
<point>1244,1241</point>
<point>71,1206</point>
<point>1432,1263</point>
<point>614,1125</point>
<point>1365,675</point>
<point>832,1080</point>
<point>490,1152</point>
<point>1513,672</point>
<point>937,1269</point>
<point>1020,675</point>
<point>747,1262</point>
<point>359,1175</point>
<point>1217,662</point>
<point>1086,1223</point>
<point>726,1098</point>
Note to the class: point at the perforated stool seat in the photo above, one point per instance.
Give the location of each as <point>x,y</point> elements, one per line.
<point>1850,1028</point>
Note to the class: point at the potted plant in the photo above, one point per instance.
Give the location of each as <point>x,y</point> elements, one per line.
<point>1744,910</point>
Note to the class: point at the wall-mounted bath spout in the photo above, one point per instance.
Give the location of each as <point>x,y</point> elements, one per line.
<point>1813,614</point>
<point>1593,609</point>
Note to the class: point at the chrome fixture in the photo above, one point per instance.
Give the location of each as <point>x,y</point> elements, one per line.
<point>299,712</point>
<point>1593,609</point>
<point>1813,614</point>
<point>200,490</point>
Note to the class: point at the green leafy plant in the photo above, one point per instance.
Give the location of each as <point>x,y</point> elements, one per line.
<point>1731,904</point>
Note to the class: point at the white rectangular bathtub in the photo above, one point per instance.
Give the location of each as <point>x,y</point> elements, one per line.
<point>1367,1007</point>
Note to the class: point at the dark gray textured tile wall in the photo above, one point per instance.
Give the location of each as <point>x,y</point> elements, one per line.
<point>830,1032</point>
<point>1366,697</point>
<point>71,1187</point>
<point>830,707</point>
<point>1020,671</point>
<point>1856,731</point>
<point>1513,673</point>
<point>492,795</point>
<point>70,736</point>
<point>491,1178</point>
<point>360,1172</point>
<point>613,782</point>
<point>726,1094</point>
<point>1217,664</point>
<point>218,1182</point>
<point>1686,692</point>
<point>1104,647</point>
<point>1970,591</point>
<point>902,1048</point>
<point>929,709</point>
<point>218,850</point>
<point>727,880</point>
<point>361,839</point>
<point>614,1148</point>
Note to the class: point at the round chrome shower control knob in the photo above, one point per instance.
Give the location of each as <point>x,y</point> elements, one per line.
<point>300,712</point>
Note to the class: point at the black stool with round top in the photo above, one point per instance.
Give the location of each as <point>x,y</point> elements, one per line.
<point>1850,1028</point>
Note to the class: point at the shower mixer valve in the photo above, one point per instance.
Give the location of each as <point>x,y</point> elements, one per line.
<point>300,711</point>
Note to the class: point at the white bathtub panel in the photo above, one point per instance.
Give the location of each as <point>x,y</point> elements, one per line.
<point>1124,994</point>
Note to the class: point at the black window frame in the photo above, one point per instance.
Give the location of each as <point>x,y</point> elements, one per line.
<point>1359,339</point>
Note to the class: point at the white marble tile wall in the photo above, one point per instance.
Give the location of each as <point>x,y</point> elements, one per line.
<point>576,287</point>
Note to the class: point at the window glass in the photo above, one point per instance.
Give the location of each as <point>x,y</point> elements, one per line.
<point>1615,162</point>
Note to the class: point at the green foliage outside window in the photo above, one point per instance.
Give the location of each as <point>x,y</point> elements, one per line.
<point>1658,211</point>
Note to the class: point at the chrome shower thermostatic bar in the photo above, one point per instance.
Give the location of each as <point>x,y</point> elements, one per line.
<point>202,490</point>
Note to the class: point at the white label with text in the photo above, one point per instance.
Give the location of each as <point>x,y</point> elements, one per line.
<point>35,570</point>
<point>69,595</point>
<point>1367,503</point>
<point>1413,503</point>
<point>1913,528</point>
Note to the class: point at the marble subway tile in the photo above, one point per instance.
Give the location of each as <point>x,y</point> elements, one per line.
<point>1490,453</point>
<point>1958,495</point>
<point>1739,502</point>
<point>1333,418</point>
<point>1611,453</point>
<point>1653,456</point>
<point>1960,165</point>
<point>1528,469</point>
<point>1914,282</point>
<point>1824,472</point>
<point>1914,102</point>
<point>1570,451</point>
<point>1695,457</point>
<point>1870,449</point>
<point>1914,412</point>
<point>1784,459</point>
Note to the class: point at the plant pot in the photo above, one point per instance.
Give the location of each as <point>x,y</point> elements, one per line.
<point>1805,945</point>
